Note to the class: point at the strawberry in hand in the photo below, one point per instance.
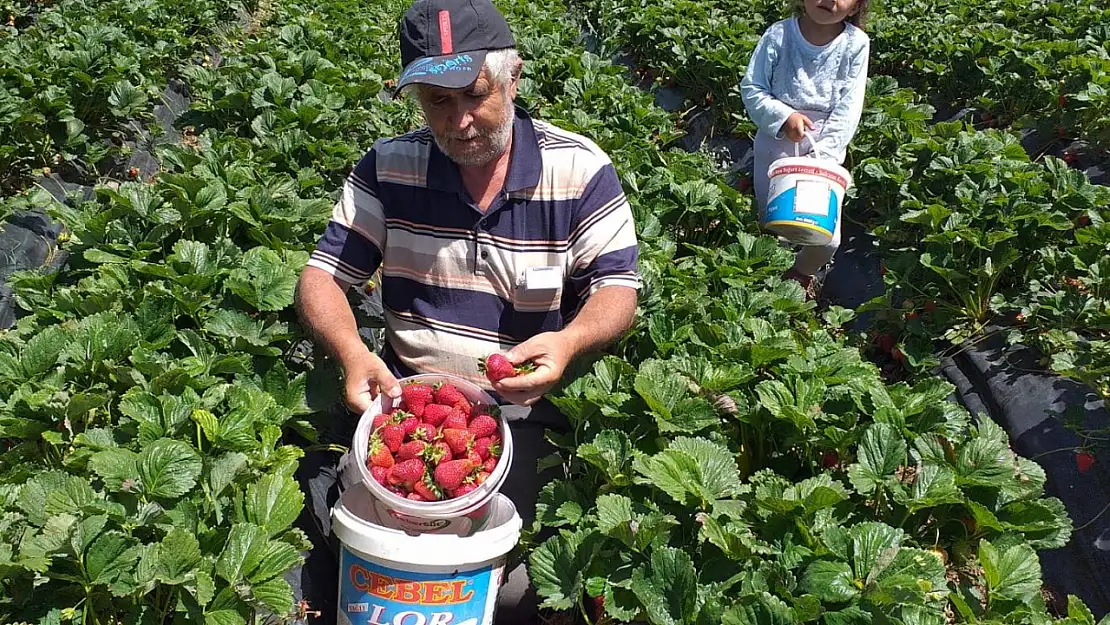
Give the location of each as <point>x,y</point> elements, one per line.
<point>497,367</point>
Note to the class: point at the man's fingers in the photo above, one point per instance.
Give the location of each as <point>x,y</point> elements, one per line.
<point>386,383</point>
<point>522,383</point>
<point>524,352</point>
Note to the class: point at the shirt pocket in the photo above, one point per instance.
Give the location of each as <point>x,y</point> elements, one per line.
<point>539,288</point>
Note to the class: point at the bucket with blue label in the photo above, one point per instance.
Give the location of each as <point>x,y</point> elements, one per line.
<point>388,576</point>
<point>805,197</point>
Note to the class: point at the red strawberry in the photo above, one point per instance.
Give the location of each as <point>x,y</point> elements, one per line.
<point>482,426</point>
<point>459,440</point>
<point>425,432</point>
<point>475,459</point>
<point>886,342</point>
<point>897,354</point>
<point>463,405</point>
<point>481,447</point>
<point>452,474</point>
<point>409,425</point>
<point>911,315</point>
<point>481,477</point>
<point>448,394</point>
<point>440,451</point>
<point>380,420</point>
<point>416,397</point>
<point>1083,221</point>
<point>1061,100</point>
<point>1084,461</point>
<point>490,464</point>
<point>436,414</point>
<point>381,474</point>
<point>930,306</point>
<point>393,436</point>
<point>407,473</point>
<point>415,497</point>
<point>396,491</point>
<point>427,489</point>
<point>497,367</point>
<point>463,490</point>
<point>829,459</point>
<point>380,455</point>
<point>412,449</point>
<point>456,420</point>
<point>133,172</point>
<point>495,446</point>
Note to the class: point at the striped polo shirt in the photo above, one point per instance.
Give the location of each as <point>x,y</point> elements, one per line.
<point>458,284</point>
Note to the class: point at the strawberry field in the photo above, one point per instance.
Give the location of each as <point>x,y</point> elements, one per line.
<point>743,456</point>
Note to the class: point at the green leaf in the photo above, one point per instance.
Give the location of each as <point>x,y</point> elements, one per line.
<point>912,574</point>
<point>557,567</point>
<point>1013,573</point>
<point>1079,612</point>
<point>692,468</point>
<point>179,555</point>
<point>275,594</point>
<point>668,396</point>
<point>264,280</point>
<point>273,502</point>
<point>933,486</point>
<point>761,609</point>
<point>221,471</point>
<point>874,546</point>
<point>109,555</point>
<point>242,552</point>
<point>277,558</point>
<point>117,467</point>
<point>881,452</point>
<point>169,469</point>
<point>610,452</point>
<point>613,512</point>
<point>667,586</point>
<point>830,581</point>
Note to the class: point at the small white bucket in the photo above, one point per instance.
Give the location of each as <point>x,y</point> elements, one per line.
<point>805,197</point>
<point>451,516</point>
<point>388,577</point>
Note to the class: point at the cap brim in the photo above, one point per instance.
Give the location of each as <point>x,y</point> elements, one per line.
<point>450,71</point>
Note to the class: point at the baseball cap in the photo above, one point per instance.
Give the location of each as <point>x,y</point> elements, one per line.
<point>444,42</point>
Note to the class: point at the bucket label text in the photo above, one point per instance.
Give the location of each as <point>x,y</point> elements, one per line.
<point>372,594</point>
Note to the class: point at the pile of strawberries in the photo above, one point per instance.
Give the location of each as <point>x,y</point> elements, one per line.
<point>434,445</point>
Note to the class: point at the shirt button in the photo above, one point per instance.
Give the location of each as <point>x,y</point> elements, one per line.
<point>485,254</point>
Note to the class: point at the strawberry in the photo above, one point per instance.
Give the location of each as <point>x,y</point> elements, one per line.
<point>599,608</point>
<point>829,459</point>
<point>416,397</point>
<point>407,473</point>
<point>409,425</point>
<point>133,172</point>
<point>886,342</point>
<point>495,446</point>
<point>412,449</point>
<point>456,420</point>
<point>415,497</point>
<point>1084,461</point>
<point>483,426</point>
<point>474,458</point>
<point>425,432</point>
<point>489,465</point>
<point>452,474</point>
<point>381,474</point>
<point>459,440</point>
<point>448,394</point>
<point>380,420</point>
<point>911,315</point>
<point>436,414</point>
<point>427,489</point>
<point>463,490</point>
<point>1083,221</point>
<point>497,367</point>
<point>481,477</point>
<point>930,306</point>
<point>481,447</point>
<point>897,354</point>
<point>392,435</point>
<point>380,455</point>
<point>438,452</point>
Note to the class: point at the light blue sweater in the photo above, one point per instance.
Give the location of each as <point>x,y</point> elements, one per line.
<point>787,73</point>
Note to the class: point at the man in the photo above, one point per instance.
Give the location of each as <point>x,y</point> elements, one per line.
<point>493,231</point>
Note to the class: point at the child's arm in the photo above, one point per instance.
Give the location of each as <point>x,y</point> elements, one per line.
<point>842,123</point>
<point>768,112</point>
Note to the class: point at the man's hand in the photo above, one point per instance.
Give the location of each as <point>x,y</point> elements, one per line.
<point>365,375</point>
<point>796,125</point>
<point>550,352</point>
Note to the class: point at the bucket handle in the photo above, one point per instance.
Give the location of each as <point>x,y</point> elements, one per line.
<point>812,143</point>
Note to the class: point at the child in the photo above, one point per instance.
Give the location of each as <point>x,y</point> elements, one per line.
<point>808,74</point>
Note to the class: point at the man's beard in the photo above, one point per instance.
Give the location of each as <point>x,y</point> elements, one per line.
<point>492,143</point>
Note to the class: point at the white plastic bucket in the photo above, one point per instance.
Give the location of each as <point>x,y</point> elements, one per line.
<point>387,577</point>
<point>451,516</point>
<point>805,197</point>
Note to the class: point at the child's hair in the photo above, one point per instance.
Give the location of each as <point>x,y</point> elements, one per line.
<point>857,19</point>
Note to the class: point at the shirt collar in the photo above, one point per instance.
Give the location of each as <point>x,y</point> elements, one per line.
<point>525,160</point>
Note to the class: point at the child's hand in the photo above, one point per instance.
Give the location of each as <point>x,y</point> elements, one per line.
<point>796,126</point>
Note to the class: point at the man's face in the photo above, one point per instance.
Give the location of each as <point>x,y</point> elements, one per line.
<point>473,125</point>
